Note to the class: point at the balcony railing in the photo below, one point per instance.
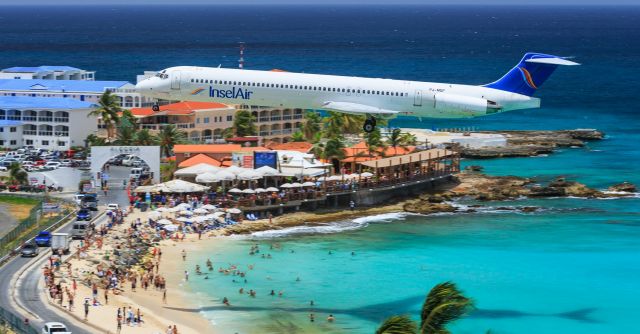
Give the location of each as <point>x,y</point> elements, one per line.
<point>287,131</point>
<point>14,117</point>
<point>30,132</point>
<point>45,119</point>
<point>297,116</point>
<point>276,118</point>
<point>149,126</point>
<point>287,117</point>
<point>264,133</point>
<point>183,125</point>
<point>264,119</point>
<point>45,133</point>
<point>61,119</point>
<point>30,118</point>
<point>276,132</point>
<point>62,134</point>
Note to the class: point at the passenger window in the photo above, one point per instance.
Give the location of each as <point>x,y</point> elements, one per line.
<point>191,80</point>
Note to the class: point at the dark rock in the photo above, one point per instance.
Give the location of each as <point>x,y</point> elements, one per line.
<point>529,209</point>
<point>624,187</point>
<point>547,192</point>
<point>505,208</point>
<point>424,207</point>
<point>474,168</point>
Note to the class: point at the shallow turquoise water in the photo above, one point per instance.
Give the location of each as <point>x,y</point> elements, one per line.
<point>572,268</point>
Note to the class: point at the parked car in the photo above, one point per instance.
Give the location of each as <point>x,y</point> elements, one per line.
<point>66,162</point>
<point>52,164</point>
<point>43,239</point>
<point>128,160</point>
<point>78,198</point>
<point>55,327</point>
<point>29,249</point>
<point>90,201</point>
<point>3,169</point>
<point>113,206</point>
<point>84,214</point>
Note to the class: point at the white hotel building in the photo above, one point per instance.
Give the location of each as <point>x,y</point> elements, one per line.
<point>83,90</point>
<point>47,73</point>
<point>45,122</point>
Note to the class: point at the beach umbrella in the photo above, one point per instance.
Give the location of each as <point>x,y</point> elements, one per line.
<point>206,178</point>
<point>261,190</point>
<point>164,222</point>
<point>218,214</point>
<point>184,219</point>
<point>323,179</point>
<point>308,184</point>
<point>199,219</point>
<point>234,211</point>
<point>366,174</point>
<point>296,185</point>
<point>183,206</point>
<point>154,215</point>
<point>235,191</point>
<point>249,175</point>
<point>197,170</point>
<point>209,207</point>
<point>185,212</point>
<point>354,175</point>
<point>286,185</point>
<point>162,209</point>
<point>272,189</point>
<point>267,171</point>
<point>200,211</point>
<point>334,178</point>
<point>224,175</point>
<point>236,170</point>
<point>171,228</point>
<point>181,186</point>
<point>248,191</point>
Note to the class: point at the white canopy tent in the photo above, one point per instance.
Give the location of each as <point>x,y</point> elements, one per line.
<point>207,177</point>
<point>267,171</point>
<point>181,186</point>
<point>197,170</point>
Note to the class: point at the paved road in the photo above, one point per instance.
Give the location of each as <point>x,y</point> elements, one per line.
<point>27,292</point>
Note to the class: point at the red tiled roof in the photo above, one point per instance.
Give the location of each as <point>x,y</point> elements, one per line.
<point>252,149</point>
<point>301,146</point>
<point>180,108</point>
<point>242,139</point>
<point>198,159</point>
<point>359,151</point>
<point>212,148</point>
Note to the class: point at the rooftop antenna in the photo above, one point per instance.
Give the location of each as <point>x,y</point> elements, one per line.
<point>241,60</point>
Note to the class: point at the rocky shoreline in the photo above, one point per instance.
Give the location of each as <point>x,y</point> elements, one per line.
<point>472,185</point>
<point>527,143</point>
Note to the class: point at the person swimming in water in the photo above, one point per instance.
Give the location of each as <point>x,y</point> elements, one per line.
<point>331,318</point>
<point>225,301</point>
<point>273,293</point>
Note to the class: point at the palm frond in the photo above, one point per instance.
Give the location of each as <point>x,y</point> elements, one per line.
<point>398,324</point>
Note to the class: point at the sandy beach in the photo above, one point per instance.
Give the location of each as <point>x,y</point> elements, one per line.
<point>179,309</point>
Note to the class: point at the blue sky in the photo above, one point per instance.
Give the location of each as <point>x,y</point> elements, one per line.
<point>266,2</point>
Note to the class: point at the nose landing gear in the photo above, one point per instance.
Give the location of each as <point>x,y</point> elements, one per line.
<point>155,107</point>
<point>369,124</point>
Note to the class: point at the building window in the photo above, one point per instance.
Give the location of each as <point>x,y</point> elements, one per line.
<point>62,143</point>
<point>45,142</point>
<point>1,129</point>
<point>1,142</point>
<point>12,129</point>
<point>198,120</point>
<point>229,118</point>
<point>29,141</point>
<point>13,142</point>
<point>206,120</point>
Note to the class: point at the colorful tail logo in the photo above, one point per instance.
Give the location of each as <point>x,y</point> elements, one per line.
<point>527,77</point>
<point>197,91</point>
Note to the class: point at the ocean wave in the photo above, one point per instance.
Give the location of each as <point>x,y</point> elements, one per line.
<point>330,228</point>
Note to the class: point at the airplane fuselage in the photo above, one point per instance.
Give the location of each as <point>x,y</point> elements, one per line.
<point>356,95</point>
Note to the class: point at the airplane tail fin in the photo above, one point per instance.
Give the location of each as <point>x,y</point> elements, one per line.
<point>533,70</point>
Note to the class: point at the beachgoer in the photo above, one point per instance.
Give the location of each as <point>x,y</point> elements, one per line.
<point>331,318</point>
<point>312,318</point>
<point>352,205</point>
<point>311,303</point>
<point>186,275</point>
<point>184,255</point>
<point>86,308</point>
<point>225,301</point>
<point>164,296</point>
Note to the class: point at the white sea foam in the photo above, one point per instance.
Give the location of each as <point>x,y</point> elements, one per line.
<point>333,227</point>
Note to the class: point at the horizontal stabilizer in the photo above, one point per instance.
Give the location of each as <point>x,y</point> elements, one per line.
<point>552,61</point>
<point>356,108</point>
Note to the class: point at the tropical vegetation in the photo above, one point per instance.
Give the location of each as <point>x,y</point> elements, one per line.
<point>17,175</point>
<point>170,136</point>
<point>444,304</point>
<point>244,124</point>
<point>108,110</point>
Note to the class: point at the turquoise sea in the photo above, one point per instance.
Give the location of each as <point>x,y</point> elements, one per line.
<point>573,267</point>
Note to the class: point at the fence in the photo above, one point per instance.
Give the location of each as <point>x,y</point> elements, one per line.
<point>16,324</point>
<point>21,233</point>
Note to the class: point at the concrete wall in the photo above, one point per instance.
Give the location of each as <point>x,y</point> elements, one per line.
<point>6,136</point>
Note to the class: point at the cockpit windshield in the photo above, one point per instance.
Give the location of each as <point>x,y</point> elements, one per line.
<point>162,75</point>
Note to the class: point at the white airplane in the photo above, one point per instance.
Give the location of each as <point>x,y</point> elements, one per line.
<point>375,98</point>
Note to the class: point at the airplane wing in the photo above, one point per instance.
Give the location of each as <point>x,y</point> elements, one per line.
<point>357,108</point>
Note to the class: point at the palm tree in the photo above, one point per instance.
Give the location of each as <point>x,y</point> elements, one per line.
<point>443,305</point>
<point>107,110</point>
<point>170,136</point>
<point>126,132</point>
<point>312,125</point>
<point>128,115</point>
<point>145,138</point>
<point>93,140</point>
<point>374,142</point>
<point>166,170</point>
<point>341,123</point>
<point>396,139</point>
<point>227,133</point>
<point>243,124</point>
<point>398,324</point>
<point>298,136</point>
<point>408,138</point>
<point>17,175</point>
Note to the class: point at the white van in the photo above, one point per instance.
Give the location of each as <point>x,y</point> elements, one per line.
<point>128,160</point>
<point>135,173</point>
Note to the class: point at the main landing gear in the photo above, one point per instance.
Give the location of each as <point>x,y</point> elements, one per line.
<point>155,107</point>
<point>369,124</point>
